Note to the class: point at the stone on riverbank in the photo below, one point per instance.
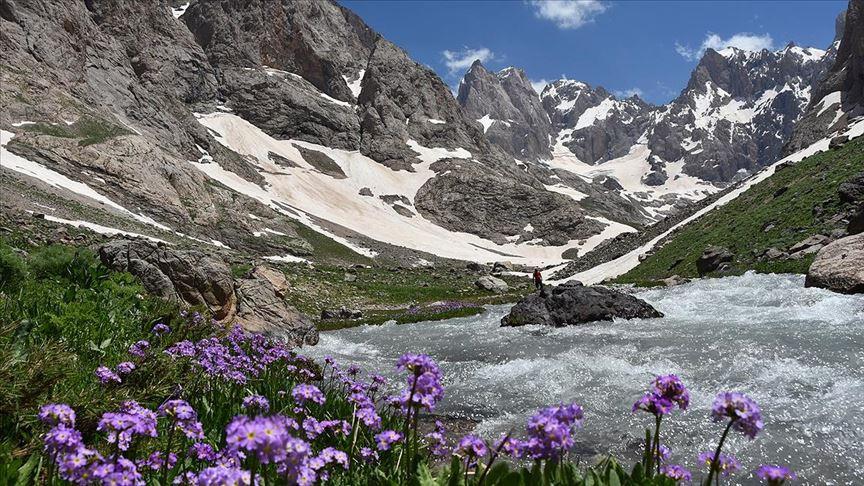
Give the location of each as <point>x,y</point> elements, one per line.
<point>839,266</point>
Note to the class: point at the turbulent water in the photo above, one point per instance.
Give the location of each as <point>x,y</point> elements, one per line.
<point>798,352</point>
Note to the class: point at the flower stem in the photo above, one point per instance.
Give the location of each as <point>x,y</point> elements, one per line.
<point>655,450</point>
<point>715,463</point>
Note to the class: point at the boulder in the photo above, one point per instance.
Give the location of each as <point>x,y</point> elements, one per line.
<point>839,266</point>
<point>365,191</point>
<point>500,267</point>
<point>191,278</point>
<point>491,284</point>
<point>674,280</point>
<point>815,240</point>
<point>475,267</point>
<point>712,258</point>
<point>341,313</point>
<point>838,142</point>
<point>567,305</point>
<point>774,254</point>
<point>183,276</point>
<point>852,190</point>
<point>261,308</point>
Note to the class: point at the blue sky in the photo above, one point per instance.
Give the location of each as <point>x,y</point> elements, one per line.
<point>625,46</point>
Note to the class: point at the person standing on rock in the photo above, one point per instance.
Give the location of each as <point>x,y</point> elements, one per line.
<point>538,279</point>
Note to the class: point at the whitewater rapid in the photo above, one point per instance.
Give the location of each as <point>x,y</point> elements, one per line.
<point>798,352</point>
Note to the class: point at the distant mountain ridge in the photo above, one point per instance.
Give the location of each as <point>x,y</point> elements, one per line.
<point>734,116</point>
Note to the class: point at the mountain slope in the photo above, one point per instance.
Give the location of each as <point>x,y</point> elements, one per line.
<point>346,135</point>
<point>762,226</point>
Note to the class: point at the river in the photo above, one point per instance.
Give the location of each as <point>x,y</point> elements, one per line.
<point>798,352</point>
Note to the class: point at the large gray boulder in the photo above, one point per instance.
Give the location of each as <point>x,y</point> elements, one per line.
<point>256,301</point>
<point>839,266</point>
<point>571,304</point>
<point>262,308</point>
<point>186,277</point>
<point>491,284</point>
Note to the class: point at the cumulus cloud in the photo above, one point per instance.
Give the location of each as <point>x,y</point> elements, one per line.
<point>743,40</point>
<point>626,93</point>
<point>460,60</point>
<point>568,14</point>
<point>539,84</point>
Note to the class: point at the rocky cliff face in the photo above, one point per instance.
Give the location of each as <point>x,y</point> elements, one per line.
<point>838,96</point>
<point>221,122</point>
<point>507,107</point>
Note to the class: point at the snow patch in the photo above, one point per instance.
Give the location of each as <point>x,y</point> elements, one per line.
<point>355,85</point>
<point>828,101</point>
<point>286,259</point>
<point>178,11</point>
<point>98,228</point>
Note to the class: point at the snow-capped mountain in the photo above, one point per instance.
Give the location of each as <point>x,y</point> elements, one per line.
<point>838,98</point>
<point>206,123</point>
<point>736,113</point>
<point>235,126</point>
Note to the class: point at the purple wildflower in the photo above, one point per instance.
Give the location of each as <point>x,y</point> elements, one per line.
<point>106,376</point>
<point>222,475</point>
<point>184,418</point>
<point>676,472</point>
<point>267,438</point>
<point>663,453</point>
<point>550,431</point>
<point>62,439</point>
<point>672,388</point>
<point>775,475</point>
<point>155,461</point>
<point>304,393</point>
<point>125,368</point>
<point>57,413</point>
<point>437,440</point>
<point>160,329</point>
<point>472,446</point>
<point>139,349</point>
<point>180,349</point>
<point>654,404</point>
<point>386,439</point>
<point>368,454</point>
<point>740,410</point>
<point>256,403</point>
<point>202,451</point>
<point>131,420</point>
<point>424,380</point>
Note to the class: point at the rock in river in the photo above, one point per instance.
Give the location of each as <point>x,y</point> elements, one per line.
<point>570,304</point>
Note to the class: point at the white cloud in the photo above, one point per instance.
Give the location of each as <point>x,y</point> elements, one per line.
<point>568,14</point>
<point>626,93</point>
<point>460,60</point>
<point>539,84</point>
<point>741,40</point>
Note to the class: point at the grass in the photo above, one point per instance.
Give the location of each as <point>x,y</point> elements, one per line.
<point>328,249</point>
<point>384,294</point>
<point>89,130</point>
<point>775,213</point>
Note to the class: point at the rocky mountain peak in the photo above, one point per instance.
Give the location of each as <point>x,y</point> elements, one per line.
<point>508,109</point>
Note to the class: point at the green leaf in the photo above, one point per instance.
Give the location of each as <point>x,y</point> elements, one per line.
<point>25,472</point>
<point>613,478</point>
<point>497,472</point>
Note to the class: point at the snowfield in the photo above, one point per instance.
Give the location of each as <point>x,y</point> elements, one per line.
<point>310,196</point>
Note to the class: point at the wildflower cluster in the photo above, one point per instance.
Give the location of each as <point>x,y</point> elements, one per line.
<point>298,424</point>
